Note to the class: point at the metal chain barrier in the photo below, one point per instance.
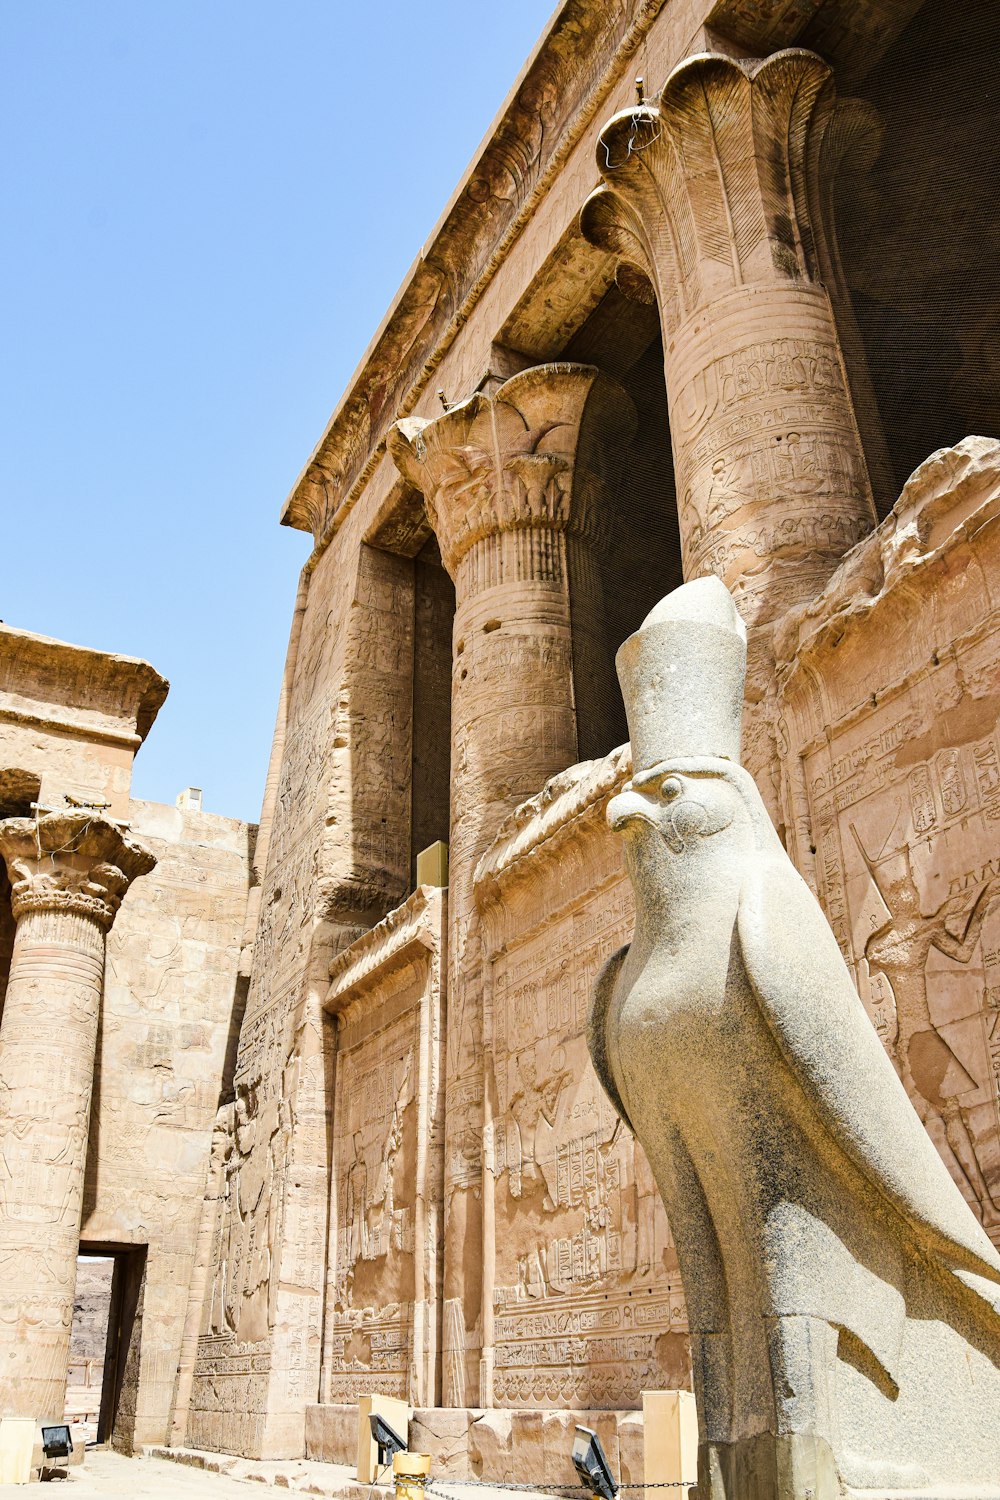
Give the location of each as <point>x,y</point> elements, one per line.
<point>431,1488</point>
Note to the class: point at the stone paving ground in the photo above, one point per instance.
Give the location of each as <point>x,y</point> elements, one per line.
<point>108,1476</point>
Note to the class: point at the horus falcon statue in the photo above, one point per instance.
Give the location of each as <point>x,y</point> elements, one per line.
<point>843,1299</point>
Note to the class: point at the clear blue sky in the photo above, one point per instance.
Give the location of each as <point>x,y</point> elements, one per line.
<point>208,208</point>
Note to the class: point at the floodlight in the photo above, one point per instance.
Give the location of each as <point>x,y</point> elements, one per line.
<point>590,1462</point>
<point>57,1442</point>
<point>386,1438</point>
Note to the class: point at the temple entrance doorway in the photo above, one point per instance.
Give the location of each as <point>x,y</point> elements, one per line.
<point>105,1348</point>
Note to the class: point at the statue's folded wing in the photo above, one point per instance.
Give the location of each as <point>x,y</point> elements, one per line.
<point>809,1001</point>
<point>597,1039</point>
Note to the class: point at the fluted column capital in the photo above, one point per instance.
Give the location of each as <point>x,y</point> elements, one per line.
<point>714,184</point>
<point>74,861</point>
<point>518,460</point>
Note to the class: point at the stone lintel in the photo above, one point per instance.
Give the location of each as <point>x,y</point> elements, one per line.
<point>400,524</point>
<point>411,932</point>
<point>569,286</point>
<point>98,694</point>
<point>757,27</point>
<point>950,498</point>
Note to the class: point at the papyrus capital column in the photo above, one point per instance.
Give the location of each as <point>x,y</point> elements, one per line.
<point>519,487</point>
<point>68,873</point>
<point>717,191</point>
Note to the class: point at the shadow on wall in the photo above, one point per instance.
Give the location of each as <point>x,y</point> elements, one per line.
<point>640,556</point>
<point>920,233</point>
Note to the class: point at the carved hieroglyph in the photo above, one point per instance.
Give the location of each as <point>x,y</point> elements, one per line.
<point>716,191</point>
<point>68,873</point>
<point>518,487</point>
<point>893,798</point>
<point>836,1281</point>
<point>582,1300</point>
<point>387,994</point>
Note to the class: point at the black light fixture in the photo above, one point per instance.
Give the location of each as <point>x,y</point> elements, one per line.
<point>591,1463</point>
<point>57,1445</point>
<point>57,1442</point>
<point>386,1438</point>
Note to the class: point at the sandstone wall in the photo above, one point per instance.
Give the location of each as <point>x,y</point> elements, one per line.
<point>890,703</point>
<point>386,1190</point>
<point>337,857</point>
<point>168,1000</point>
<point>582,1301</point>
<point>72,719</point>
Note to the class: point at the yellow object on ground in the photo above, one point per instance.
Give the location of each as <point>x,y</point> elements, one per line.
<point>410,1471</point>
<point>17,1439</point>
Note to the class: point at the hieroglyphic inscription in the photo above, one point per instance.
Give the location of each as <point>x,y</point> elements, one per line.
<point>769,475</point>
<point>577,1213</point>
<point>249,1221</point>
<point>597,1352</point>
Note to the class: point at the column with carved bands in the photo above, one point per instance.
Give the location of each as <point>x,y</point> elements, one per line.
<point>519,489</point>
<point>68,873</point>
<point>718,192</point>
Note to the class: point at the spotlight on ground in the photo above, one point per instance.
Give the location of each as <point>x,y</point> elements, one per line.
<point>57,1445</point>
<point>590,1462</point>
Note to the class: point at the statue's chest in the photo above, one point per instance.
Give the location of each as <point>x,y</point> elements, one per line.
<point>688,1010</point>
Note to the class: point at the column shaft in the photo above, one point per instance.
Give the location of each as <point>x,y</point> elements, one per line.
<point>772,485</point>
<point>68,873</point>
<point>47,1041</point>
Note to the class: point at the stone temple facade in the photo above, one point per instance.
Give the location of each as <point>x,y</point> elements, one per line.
<point>120,933</point>
<point>715,296</point>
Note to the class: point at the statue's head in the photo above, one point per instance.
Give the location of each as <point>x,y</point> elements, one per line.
<point>682,676</point>
<point>684,800</point>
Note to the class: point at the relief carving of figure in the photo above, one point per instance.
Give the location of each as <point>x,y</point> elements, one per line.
<point>356,1207</point>
<point>372,1224</point>
<point>533,1106</point>
<point>936,1080</point>
<point>382,1203</point>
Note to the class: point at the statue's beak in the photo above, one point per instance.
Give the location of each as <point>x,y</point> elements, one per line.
<point>629,807</point>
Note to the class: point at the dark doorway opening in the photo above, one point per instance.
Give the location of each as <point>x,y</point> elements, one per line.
<point>114,1294</point>
<point>919,233</point>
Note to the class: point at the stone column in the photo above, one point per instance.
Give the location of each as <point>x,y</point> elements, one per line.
<point>517,487</point>
<point>718,193</point>
<point>68,872</point>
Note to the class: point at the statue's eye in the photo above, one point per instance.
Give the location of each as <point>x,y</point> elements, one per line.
<point>670,788</point>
